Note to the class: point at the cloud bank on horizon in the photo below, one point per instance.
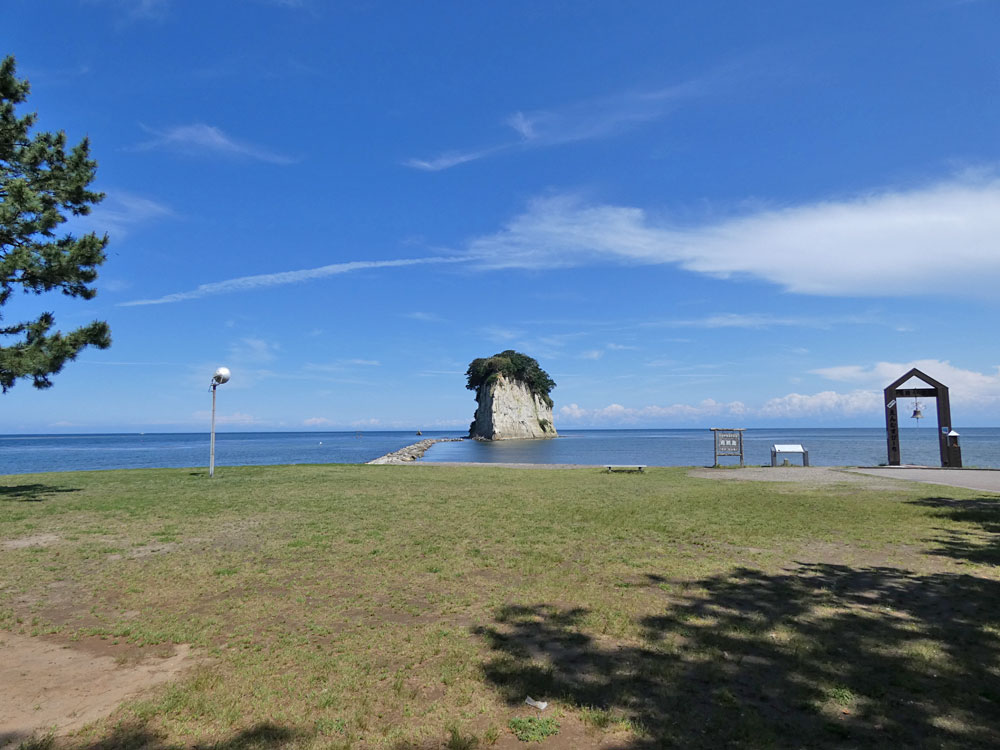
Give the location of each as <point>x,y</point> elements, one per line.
<point>967,389</point>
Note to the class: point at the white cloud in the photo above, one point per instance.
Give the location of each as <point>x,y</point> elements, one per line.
<point>879,244</point>
<point>826,404</point>
<point>135,10</point>
<point>450,159</point>
<point>254,350</point>
<point>200,139</point>
<point>592,354</point>
<point>247,283</point>
<point>236,418</point>
<point>791,406</point>
<point>965,387</point>
<point>759,320</point>
<point>884,243</point>
<point>316,422</point>
<point>496,333</point>
<point>618,414</point>
<point>579,121</point>
<point>522,125</point>
<point>119,213</point>
<point>968,389</point>
<point>425,317</point>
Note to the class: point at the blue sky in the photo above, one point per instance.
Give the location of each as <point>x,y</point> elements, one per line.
<point>691,214</point>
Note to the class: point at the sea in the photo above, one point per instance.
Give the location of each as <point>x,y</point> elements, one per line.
<point>27,454</point>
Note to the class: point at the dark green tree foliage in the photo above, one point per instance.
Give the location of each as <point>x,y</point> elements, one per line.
<point>39,184</point>
<point>510,364</point>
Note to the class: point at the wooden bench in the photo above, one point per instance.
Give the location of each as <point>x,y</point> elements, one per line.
<point>628,467</point>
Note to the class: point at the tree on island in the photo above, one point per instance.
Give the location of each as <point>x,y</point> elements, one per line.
<point>512,365</point>
<point>39,183</point>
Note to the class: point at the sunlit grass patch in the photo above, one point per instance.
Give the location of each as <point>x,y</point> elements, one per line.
<point>419,606</point>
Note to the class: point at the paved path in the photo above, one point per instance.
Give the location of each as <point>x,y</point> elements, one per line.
<point>970,479</point>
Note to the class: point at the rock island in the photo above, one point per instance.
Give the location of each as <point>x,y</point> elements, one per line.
<point>512,393</point>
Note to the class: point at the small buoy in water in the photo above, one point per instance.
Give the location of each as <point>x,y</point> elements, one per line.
<point>321,442</point>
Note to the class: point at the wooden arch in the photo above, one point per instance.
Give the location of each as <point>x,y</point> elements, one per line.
<point>951,453</point>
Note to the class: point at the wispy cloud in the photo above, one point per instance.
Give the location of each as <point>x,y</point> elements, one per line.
<point>138,10</point>
<point>424,317</point>
<point>120,213</point>
<point>201,139</point>
<point>236,418</point>
<point>339,366</point>
<point>254,351</point>
<point>578,121</point>
<point>249,67</point>
<point>884,243</point>
<point>453,158</point>
<point>760,320</point>
<point>265,280</point>
<point>496,333</point>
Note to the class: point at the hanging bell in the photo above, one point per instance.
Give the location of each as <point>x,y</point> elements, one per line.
<point>917,414</point>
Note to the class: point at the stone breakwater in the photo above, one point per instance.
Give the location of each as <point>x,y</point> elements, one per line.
<point>412,452</point>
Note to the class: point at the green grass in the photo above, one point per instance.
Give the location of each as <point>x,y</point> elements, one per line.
<point>533,728</point>
<point>381,606</point>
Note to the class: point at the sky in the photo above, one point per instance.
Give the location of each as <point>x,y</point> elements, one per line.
<point>707,214</point>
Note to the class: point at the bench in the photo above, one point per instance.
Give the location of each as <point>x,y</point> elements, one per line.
<point>628,467</point>
<point>777,450</point>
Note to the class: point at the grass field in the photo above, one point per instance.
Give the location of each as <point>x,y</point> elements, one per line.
<point>411,607</point>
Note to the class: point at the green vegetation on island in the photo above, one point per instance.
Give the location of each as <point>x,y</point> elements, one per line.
<point>512,365</point>
<point>352,606</point>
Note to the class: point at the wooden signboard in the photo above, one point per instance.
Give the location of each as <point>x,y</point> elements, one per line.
<point>728,442</point>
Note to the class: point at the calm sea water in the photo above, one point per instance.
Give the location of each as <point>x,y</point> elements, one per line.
<point>21,454</point>
<point>827,447</point>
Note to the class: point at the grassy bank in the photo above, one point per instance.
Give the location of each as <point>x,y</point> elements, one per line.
<point>381,606</point>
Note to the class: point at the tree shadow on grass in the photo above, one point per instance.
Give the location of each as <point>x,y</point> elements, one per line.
<point>137,736</point>
<point>261,736</point>
<point>981,542</point>
<point>822,656</point>
<point>32,493</point>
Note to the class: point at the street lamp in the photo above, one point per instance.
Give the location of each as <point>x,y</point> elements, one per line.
<point>221,376</point>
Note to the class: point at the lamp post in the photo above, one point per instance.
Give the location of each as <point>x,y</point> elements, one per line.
<point>221,376</point>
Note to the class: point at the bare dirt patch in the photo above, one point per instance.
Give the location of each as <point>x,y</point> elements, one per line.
<point>38,540</point>
<point>48,686</point>
<point>811,476</point>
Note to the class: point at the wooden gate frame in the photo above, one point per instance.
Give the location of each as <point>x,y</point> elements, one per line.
<point>951,454</point>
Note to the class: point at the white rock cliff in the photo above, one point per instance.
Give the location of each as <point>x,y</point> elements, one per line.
<point>508,410</point>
